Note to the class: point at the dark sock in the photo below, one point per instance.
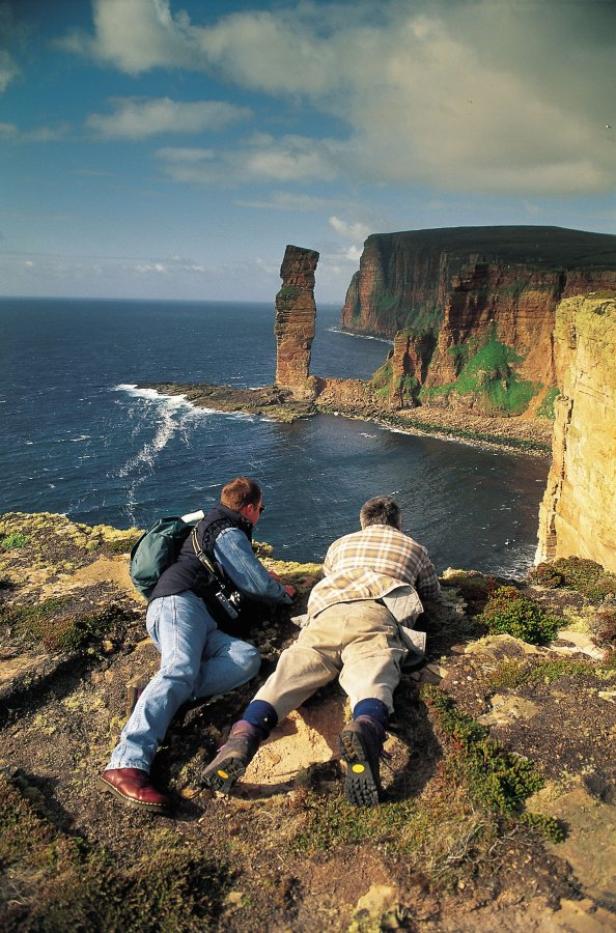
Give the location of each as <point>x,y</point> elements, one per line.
<point>262,716</point>
<point>374,709</point>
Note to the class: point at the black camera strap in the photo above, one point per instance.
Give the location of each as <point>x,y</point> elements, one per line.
<point>201,555</point>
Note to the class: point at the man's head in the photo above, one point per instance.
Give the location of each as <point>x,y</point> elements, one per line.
<point>382,510</point>
<point>243,495</point>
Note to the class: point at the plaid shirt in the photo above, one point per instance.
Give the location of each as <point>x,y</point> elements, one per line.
<point>370,563</point>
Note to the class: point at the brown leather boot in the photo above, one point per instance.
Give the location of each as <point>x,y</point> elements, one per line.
<point>233,757</point>
<point>133,787</point>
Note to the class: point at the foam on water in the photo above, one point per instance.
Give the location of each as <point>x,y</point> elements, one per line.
<point>348,333</point>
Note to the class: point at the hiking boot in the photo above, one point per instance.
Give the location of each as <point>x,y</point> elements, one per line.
<point>233,757</point>
<point>361,743</point>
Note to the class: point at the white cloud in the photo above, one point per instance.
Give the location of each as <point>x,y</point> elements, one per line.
<point>353,254</point>
<point>138,118</point>
<point>39,134</point>
<point>136,35</point>
<point>261,158</point>
<point>287,201</point>
<point>475,96</point>
<point>8,70</point>
<point>350,231</point>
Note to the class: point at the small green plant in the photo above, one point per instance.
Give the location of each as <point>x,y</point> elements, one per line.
<point>587,577</point>
<point>604,626</point>
<point>59,624</point>
<point>546,575</point>
<point>14,541</point>
<point>496,778</point>
<point>508,612</point>
<point>289,292</point>
<point>546,409</point>
<point>550,828</point>
<point>475,588</point>
<point>510,673</point>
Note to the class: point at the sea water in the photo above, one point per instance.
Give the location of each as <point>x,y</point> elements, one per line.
<point>79,438</point>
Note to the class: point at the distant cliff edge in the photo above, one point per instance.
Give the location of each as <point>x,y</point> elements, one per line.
<point>472,310</point>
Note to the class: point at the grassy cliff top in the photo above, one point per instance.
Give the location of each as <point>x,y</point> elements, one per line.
<point>545,247</point>
<point>458,841</point>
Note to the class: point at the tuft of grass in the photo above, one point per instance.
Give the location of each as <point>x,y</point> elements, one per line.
<point>587,577</point>
<point>550,828</point>
<point>507,612</point>
<point>604,626</point>
<point>14,541</point>
<point>511,674</point>
<point>497,779</point>
<point>475,588</point>
<point>56,883</point>
<point>55,624</point>
<point>546,575</point>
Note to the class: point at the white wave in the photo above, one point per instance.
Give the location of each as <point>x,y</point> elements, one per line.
<point>348,333</point>
<point>29,443</point>
<point>81,437</point>
<point>363,434</point>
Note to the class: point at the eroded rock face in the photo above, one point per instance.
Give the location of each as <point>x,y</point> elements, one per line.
<point>454,290</point>
<point>578,512</point>
<point>406,370</point>
<point>295,321</point>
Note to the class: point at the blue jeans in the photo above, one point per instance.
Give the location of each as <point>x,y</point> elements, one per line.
<point>196,660</point>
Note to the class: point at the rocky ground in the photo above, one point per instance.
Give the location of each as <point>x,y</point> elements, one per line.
<point>499,805</point>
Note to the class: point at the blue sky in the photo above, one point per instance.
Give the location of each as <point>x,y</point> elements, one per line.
<point>171,149</point>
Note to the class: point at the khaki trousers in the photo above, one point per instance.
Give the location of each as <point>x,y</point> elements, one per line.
<point>358,641</point>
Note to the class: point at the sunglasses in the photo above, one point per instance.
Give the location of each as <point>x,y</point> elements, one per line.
<point>261,509</point>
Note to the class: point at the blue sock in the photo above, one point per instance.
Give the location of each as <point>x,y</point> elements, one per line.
<point>261,715</point>
<point>374,708</point>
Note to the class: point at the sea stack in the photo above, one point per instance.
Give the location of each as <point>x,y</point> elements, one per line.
<point>295,321</point>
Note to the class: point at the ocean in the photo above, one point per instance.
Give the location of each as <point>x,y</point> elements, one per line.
<point>79,438</point>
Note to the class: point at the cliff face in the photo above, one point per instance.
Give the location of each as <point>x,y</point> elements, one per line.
<point>456,291</point>
<point>578,512</point>
<point>295,320</point>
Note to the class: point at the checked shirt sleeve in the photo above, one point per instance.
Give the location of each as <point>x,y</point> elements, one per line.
<point>427,584</point>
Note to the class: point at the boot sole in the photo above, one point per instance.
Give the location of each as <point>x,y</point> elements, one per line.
<point>225,774</point>
<point>130,801</point>
<point>360,786</point>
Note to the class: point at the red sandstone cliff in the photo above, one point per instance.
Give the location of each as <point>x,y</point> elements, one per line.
<point>453,291</point>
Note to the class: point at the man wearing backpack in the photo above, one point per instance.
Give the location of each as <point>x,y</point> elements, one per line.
<point>197,658</point>
<point>357,630</point>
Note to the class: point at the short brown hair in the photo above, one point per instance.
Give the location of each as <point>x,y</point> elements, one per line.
<point>239,492</point>
<point>382,510</point>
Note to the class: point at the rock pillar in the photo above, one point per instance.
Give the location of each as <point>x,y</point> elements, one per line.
<point>578,512</point>
<point>295,321</point>
<point>405,371</point>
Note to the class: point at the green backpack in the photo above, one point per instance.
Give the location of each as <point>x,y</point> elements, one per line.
<point>156,550</point>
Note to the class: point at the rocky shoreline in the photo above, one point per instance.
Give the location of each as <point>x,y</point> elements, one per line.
<point>353,399</point>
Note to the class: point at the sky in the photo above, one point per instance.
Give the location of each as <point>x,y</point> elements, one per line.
<point>171,149</point>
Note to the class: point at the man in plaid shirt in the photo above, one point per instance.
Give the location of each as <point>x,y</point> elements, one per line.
<point>355,632</point>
